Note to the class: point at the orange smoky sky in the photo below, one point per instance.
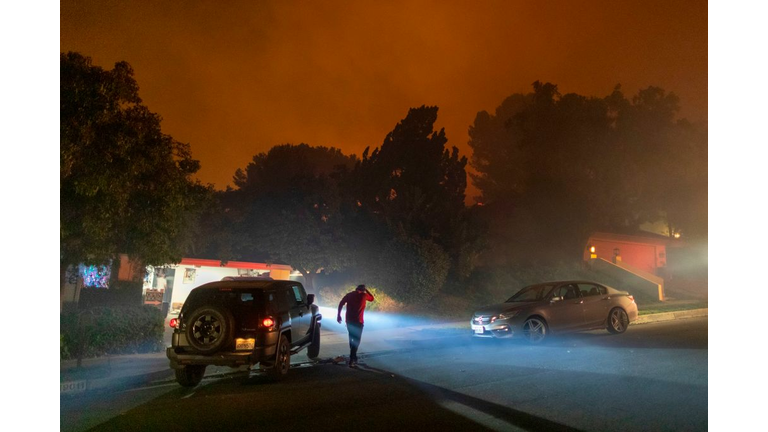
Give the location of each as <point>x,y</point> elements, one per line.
<point>235,78</point>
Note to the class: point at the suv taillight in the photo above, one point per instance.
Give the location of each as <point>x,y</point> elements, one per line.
<point>268,322</point>
<point>174,322</point>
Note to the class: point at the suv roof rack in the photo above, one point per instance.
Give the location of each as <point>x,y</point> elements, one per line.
<point>246,278</point>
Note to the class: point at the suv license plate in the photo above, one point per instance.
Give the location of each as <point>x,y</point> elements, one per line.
<point>244,344</point>
<point>478,328</point>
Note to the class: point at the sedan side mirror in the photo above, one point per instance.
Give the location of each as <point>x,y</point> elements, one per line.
<point>310,299</point>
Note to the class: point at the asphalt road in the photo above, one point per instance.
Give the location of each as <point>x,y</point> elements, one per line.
<point>653,377</point>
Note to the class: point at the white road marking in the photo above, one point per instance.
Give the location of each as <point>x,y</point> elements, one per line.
<point>484,419</point>
<point>148,388</point>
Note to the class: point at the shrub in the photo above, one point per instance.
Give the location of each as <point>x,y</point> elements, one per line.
<point>63,348</point>
<point>412,271</point>
<point>111,330</point>
<point>331,296</point>
<point>384,303</point>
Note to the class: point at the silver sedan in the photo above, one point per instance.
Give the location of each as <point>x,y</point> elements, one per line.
<point>537,311</point>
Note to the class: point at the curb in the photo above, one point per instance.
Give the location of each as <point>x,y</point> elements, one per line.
<point>80,387</point>
<point>669,316</point>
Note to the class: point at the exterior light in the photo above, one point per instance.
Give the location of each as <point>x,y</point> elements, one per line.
<point>591,249</point>
<point>677,235</point>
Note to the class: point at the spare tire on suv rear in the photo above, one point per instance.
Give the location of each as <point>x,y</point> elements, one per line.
<point>209,328</point>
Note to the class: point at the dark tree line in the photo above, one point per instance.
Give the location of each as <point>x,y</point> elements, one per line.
<point>552,169</point>
<point>125,186</point>
<point>395,218</point>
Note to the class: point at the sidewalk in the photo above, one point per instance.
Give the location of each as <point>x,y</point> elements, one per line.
<point>125,371</point>
<point>113,371</point>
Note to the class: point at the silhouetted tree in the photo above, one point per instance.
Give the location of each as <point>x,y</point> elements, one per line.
<point>670,160</point>
<point>412,181</point>
<point>557,167</point>
<point>125,186</point>
<point>407,201</point>
<point>287,206</point>
<point>216,237</point>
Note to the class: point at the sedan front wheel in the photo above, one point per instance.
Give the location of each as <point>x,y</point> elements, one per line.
<point>535,330</point>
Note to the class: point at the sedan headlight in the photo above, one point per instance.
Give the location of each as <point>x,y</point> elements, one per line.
<point>508,315</point>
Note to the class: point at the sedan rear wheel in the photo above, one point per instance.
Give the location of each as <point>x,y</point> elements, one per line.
<point>618,321</point>
<point>535,330</point>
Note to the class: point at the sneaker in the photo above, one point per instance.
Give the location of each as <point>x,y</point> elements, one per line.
<point>352,364</point>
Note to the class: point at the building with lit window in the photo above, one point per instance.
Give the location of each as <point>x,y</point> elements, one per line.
<point>166,286</point>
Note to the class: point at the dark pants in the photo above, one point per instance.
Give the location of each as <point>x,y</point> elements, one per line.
<point>355,334</point>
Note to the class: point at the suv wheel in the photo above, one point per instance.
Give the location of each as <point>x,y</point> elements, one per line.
<point>314,347</point>
<point>282,359</point>
<point>190,375</point>
<point>209,328</point>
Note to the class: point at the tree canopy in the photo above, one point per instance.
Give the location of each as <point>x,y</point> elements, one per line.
<point>395,218</point>
<point>408,214</point>
<point>286,206</point>
<point>125,186</point>
<point>562,166</point>
<point>551,168</point>
<point>413,180</point>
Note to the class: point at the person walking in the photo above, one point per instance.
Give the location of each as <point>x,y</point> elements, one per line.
<point>355,302</point>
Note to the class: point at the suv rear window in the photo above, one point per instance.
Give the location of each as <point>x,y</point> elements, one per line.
<point>232,298</point>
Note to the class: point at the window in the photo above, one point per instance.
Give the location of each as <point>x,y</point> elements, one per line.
<point>275,303</point>
<point>284,298</point>
<point>531,293</point>
<point>567,292</point>
<point>247,299</point>
<point>588,290</point>
<point>297,294</point>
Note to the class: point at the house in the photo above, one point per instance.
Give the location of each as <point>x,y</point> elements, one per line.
<point>166,286</point>
<point>647,252</point>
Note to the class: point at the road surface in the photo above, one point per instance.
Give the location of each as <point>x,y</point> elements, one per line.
<point>653,377</point>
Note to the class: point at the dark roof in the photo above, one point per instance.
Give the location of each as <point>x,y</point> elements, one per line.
<point>565,281</point>
<point>245,284</point>
<point>647,238</point>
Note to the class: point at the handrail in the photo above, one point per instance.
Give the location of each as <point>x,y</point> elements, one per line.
<point>639,273</point>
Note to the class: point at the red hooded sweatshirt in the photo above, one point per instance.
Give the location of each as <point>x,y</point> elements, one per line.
<point>355,302</point>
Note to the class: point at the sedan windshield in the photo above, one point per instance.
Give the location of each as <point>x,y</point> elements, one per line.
<point>531,293</point>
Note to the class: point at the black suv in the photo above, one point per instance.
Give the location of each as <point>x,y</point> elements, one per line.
<point>243,322</point>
